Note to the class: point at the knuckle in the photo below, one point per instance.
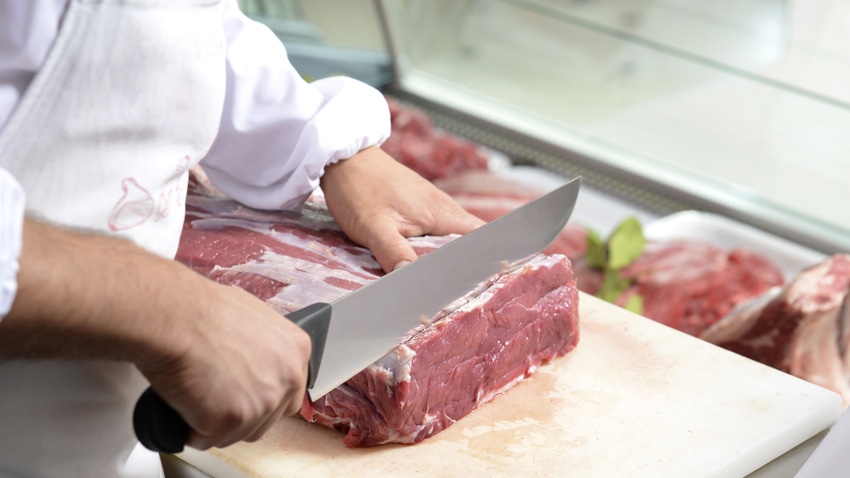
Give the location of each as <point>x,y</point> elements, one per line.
<point>266,404</point>
<point>233,419</point>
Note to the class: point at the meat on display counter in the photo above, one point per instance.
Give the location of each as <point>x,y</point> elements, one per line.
<point>734,107</point>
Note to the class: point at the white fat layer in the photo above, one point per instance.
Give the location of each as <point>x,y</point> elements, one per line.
<point>396,364</point>
<point>817,289</point>
<point>485,291</point>
<point>308,282</point>
<point>303,287</point>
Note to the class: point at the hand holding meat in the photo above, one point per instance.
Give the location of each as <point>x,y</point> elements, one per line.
<point>229,364</point>
<point>378,202</point>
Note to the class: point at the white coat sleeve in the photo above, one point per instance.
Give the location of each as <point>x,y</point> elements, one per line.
<point>11,231</point>
<point>277,131</point>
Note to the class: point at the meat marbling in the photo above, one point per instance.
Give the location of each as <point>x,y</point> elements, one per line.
<point>465,356</point>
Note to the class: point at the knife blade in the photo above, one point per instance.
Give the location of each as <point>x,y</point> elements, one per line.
<point>356,330</point>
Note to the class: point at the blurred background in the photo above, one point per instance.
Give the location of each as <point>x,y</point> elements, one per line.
<point>740,107</point>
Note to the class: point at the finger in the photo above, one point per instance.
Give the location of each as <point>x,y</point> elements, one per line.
<point>457,221</point>
<point>198,441</point>
<point>289,405</point>
<point>394,253</point>
<point>250,430</point>
<point>391,249</point>
<point>447,216</point>
<point>221,433</point>
<point>225,438</point>
<point>265,425</point>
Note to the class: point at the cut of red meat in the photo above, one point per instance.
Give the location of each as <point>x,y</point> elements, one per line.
<point>802,329</point>
<point>689,285</point>
<point>510,327</point>
<point>293,260</point>
<point>522,318</point>
<point>432,153</point>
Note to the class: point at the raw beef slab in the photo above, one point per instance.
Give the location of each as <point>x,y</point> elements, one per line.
<point>468,354</point>
<point>690,285</point>
<point>802,329</point>
<point>418,144</point>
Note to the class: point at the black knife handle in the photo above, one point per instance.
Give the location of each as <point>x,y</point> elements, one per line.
<point>159,428</point>
<point>315,319</point>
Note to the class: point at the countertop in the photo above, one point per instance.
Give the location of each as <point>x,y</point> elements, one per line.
<point>634,397</point>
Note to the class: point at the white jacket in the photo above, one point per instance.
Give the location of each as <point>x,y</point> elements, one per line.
<point>100,119</point>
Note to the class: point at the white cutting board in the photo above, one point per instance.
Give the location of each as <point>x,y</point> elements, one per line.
<point>635,398</point>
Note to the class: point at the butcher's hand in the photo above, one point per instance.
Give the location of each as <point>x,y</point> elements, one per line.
<point>379,203</point>
<point>224,360</point>
<point>242,367</point>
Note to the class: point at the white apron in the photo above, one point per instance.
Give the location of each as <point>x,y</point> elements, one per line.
<point>130,98</point>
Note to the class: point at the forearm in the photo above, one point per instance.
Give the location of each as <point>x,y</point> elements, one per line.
<point>284,129</point>
<point>224,360</point>
<point>83,295</point>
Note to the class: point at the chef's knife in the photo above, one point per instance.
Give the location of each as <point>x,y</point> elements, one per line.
<point>356,330</point>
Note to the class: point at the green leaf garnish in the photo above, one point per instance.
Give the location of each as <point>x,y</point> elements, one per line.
<point>625,244</point>
<point>634,304</point>
<point>623,247</point>
<point>612,286</point>
<point>596,254</point>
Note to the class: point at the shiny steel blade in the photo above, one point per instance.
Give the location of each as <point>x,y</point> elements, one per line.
<point>370,322</point>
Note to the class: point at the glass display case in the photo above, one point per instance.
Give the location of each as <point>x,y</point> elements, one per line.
<point>739,107</point>
<point>326,37</point>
